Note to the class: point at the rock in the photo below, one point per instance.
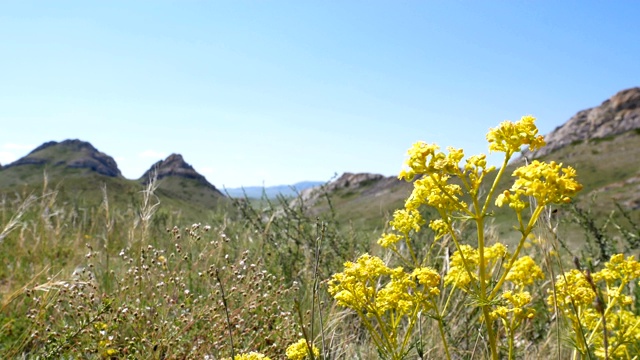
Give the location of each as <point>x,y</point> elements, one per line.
<point>375,184</point>
<point>619,114</point>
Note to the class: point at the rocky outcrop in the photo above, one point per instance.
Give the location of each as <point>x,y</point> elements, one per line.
<point>174,165</point>
<point>366,184</point>
<point>617,115</point>
<point>71,154</point>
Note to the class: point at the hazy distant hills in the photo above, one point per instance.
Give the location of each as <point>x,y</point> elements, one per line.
<point>272,191</point>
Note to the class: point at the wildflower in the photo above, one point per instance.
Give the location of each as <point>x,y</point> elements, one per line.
<point>510,137</point>
<point>524,271</point>
<point>396,295</point>
<point>300,350</point>
<point>417,162</point>
<point>460,275</point>
<point>407,220</point>
<point>440,227</point>
<point>572,286</point>
<point>429,278</point>
<point>518,307</point>
<point>251,356</point>
<point>435,191</point>
<point>354,286</point>
<point>389,240</point>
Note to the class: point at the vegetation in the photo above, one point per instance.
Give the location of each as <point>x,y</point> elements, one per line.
<point>128,276</point>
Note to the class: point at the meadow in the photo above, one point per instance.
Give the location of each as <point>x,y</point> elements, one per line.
<point>266,279</point>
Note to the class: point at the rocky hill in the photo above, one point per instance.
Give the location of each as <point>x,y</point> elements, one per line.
<point>177,179</point>
<point>80,172</point>
<point>174,165</point>
<point>619,114</point>
<point>73,154</point>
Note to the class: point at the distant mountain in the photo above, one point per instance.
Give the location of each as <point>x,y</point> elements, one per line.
<point>79,171</point>
<point>271,192</point>
<point>178,179</point>
<point>73,154</point>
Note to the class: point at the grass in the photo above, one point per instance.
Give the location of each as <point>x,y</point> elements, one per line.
<point>132,272</point>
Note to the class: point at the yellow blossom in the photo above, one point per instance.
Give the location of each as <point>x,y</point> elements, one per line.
<point>440,227</point>
<point>524,272</point>
<point>406,220</point>
<point>389,240</point>
<point>572,288</point>
<point>396,294</point>
<point>435,191</point>
<point>509,137</point>
<point>356,285</point>
<point>300,350</point>
<point>418,157</point>
<point>460,276</point>
<point>251,356</point>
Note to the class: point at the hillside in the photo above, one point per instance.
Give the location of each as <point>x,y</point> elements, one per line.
<point>79,172</point>
<point>601,143</point>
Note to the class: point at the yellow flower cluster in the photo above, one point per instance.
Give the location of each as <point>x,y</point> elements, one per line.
<point>467,260</point>
<point>572,288</point>
<point>406,220</point>
<point>518,302</point>
<point>300,350</point>
<point>435,191</point>
<point>389,240</point>
<point>524,272</point>
<point>356,287</point>
<point>619,268</point>
<point>510,137</point>
<point>575,295</point>
<point>548,183</point>
<point>251,356</point>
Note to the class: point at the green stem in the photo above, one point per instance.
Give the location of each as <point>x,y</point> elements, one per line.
<point>483,285</point>
<point>514,257</point>
<point>442,333</point>
<point>495,183</point>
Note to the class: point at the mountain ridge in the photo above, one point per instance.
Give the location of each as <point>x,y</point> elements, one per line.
<point>616,115</point>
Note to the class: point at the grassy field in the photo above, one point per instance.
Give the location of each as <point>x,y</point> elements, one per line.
<point>119,271</point>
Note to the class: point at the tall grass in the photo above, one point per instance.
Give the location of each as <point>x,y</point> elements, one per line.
<point>113,281</point>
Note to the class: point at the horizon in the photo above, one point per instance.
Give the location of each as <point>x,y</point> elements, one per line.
<point>275,93</point>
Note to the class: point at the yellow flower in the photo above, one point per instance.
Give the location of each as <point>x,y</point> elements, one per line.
<point>459,276</point>
<point>389,240</point>
<point>396,295</point>
<point>510,137</point>
<point>406,220</point>
<point>300,350</point>
<point>435,191</point>
<point>356,285</point>
<point>251,356</point>
<point>572,288</point>
<point>417,162</point>
<point>548,183</point>
<point>524,271</point>
<point>518,307</point>
<point>440,227</point>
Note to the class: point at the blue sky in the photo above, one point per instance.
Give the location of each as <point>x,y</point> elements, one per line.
<point>275,92</point>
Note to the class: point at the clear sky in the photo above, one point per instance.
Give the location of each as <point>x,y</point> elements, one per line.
<point>276,92</point>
